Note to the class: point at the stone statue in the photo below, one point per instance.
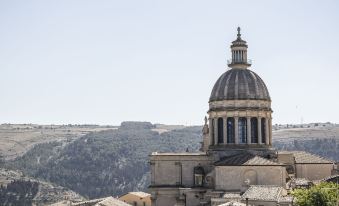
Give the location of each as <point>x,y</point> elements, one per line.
<point>205,129</point>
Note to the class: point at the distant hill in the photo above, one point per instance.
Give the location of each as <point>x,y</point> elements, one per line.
<point>16,139</point>
<point>104,163</point>
<point>318,138</point>
<point>115,161</point>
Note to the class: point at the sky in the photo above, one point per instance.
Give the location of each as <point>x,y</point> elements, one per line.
<point>104,62</point>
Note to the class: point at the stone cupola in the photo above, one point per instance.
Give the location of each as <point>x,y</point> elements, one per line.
<point>239,53</point>
<point>239,106</point>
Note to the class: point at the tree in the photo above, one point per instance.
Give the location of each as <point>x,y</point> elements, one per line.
<point>322,194</point>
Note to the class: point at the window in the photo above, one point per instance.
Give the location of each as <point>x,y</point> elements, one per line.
<point>263,130</point>
<point>199,174</point>
<point>220,130</point>
<point>198,180</point>
<point>230,130</point>
<point>242,128</point>
<point>254,130</point>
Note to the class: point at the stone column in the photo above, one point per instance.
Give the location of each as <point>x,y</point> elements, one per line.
<point>259,130</point>
<point>249,130</point>
<point>215,131</point>
<point>179,172</point>
<point>270,131</point>
<point>236,130</point>
<point>152,173</point>
<point>211,130</point>
<point>225,130</point>
<point>267,132</point>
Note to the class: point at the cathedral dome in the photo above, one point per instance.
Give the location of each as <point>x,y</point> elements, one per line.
<point>239,84</point>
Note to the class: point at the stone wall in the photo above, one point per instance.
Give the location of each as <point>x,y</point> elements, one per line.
<point>313,171</point>
<point>232,178</point>
<point>172,170</point>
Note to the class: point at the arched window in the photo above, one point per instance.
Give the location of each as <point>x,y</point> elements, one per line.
<point>212,131</point>
<point>220,130</point>
<point>254,130</point>
<point>242,128</point>
<point>199,174</point>
<point>263,130</point>
<point>230,130</point>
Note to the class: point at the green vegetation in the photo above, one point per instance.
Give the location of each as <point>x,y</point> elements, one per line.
<point>105,163</point>
<point>324,194</point>
<point>18,192</point>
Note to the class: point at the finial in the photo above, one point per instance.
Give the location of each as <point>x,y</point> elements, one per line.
<point>239,35</point>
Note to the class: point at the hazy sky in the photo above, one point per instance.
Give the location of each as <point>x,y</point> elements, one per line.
<point>104,62</point>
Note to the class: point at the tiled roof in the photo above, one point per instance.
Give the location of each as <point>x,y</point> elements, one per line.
<point>244,159</point>
<point>233,203</point>
<point>301,181</point>
<point>302,157</point>
<point>110,201</point>
<point>332,178</point>
<point>229,195</point>
<point>263,192</point>
<point>286,199</point>
<point>140,194</point>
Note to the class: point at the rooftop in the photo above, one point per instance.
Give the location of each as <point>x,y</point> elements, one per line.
<point>140,194</point>
<point>263,192</point>
<point>229,195</point>
<point>302,157</point>
<point>233,203</point>
<point>108,201</point>
<point>245,160</point>
<point>179,153</point>
<point>301,182</point>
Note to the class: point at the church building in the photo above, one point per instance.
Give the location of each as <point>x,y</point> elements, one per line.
<point>237,162</point>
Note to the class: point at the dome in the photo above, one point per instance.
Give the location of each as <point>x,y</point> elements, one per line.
<point>239,84</point>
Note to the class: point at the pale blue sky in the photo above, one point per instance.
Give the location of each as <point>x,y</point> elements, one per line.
<point>104,62</point>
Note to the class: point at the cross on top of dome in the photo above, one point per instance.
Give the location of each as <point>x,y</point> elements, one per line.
<point>239,35</point>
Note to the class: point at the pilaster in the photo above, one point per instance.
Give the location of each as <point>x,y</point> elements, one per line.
<point>249,130</point>
<point>267,136</point>
<point>211,131</point>
<point>236,130</point>
<point>225,129</point>
<point>215,131</point>
<point>259,131</point>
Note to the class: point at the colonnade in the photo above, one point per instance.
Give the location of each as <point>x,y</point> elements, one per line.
<point>239,56</point>
<point>240,130</point>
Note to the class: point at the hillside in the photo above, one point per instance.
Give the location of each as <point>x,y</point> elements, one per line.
<point>18,189</point>
<point>320,139</point>
<point>107,162</point>
<point>16,139</point>
<point>113,162</point>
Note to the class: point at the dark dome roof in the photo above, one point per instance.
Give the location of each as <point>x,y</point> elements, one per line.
<point>239,84</point>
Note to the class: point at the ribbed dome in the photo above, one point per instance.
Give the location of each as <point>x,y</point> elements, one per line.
<point>239,84</point>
